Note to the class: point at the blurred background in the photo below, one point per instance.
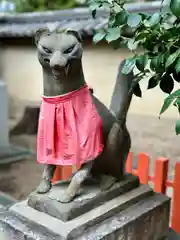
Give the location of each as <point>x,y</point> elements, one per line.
<point>21,87</point>
<point>42,5</point>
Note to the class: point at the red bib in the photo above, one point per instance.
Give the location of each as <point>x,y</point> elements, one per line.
<point>70,129</point>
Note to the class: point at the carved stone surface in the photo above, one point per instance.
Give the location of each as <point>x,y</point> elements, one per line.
<point>138,214</point>
<point>90,197</point>
<point>140,222</point>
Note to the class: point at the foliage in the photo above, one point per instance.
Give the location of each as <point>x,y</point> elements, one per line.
<point>159,37</point>
<point>43,5</point>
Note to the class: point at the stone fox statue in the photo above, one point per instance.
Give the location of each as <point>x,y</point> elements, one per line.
<point>74,126</point>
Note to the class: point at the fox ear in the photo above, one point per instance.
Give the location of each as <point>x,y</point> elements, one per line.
<point>75,34</point>
<point>40,32</point>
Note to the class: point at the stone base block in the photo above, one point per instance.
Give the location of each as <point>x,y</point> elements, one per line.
<point>138,214</point>
<point>90,197</point>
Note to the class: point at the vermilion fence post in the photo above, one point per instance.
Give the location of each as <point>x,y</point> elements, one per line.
<point>78,166</point>
<point>143,168</point>
<point>67,172</point>
<point>57,174</point>
<point>176,200</point>
<point>62,173</point>
<point>161,174</point>
<point>129,163</point>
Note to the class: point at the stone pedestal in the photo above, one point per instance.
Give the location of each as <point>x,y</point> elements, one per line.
<point>134,213</point>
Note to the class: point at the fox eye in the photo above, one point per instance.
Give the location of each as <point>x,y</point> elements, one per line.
<point>69,50</point>
<point>47,50</point>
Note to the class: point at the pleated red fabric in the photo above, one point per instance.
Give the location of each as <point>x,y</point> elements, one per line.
<point>70,129</point>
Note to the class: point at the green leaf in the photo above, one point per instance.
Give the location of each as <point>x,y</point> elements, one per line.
<point>177,67</point>
<point>116,44</point>
<point>137,90</point>
<point>155,19</point>
<point>99,36</point>
<point>132,44</point>
<point>141,62</point>
<point>154,64</point>
<point>171,59</point>
<point>134,20</point>
<point>93,7</point>
<point>113,34</point>
<point>167,26</point>
<point>177,104</point>
<point>147,71</point>
<point>147,23</point>
<point>94,13</point>
<point>171,69</point>
<point>128,66</point>
<point>167,84</point>
<point>142,35</point>
<point>112,21</point>
<point>176,76</point>
<point>161,59</point>
<point>127,31</point>
<point>160,63</point>
<point>117,8</point>
<point>143,15</point>
<point>167,102</point>
<point>153,82</point>
<point>176,93</point>
<point>121,17</point>
<point>124,43</point>
<point>177,127</point>
<point>175,7</point>
<point>149,44</point>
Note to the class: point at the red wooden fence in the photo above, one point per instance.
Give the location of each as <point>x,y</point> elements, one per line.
<point>160,180</point>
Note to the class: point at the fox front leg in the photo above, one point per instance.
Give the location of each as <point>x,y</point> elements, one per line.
<point>45,184</point>
<point>75,183</point>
